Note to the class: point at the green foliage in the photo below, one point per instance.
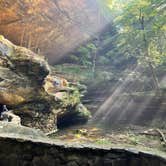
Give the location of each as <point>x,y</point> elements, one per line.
<point>84,55</point>
<point>123,44</point>
<point>133,138</point>
<point>83,51</point>
<point>71,98</point>
<point>74,58</point>
<point>103,60</point>
<point>94,50</point>
<point>91,46</point>
<point>103,142</point>
<point>130,40</point>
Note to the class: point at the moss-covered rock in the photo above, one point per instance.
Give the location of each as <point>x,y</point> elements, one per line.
<point>21,85</point>
<point>26,89</point>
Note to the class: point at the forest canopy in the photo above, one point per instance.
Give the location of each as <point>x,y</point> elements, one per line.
<point>136,34</point>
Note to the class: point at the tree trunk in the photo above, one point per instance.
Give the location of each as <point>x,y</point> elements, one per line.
<point>94,64</point>
<point>95,56</point>
<point>147,56</point>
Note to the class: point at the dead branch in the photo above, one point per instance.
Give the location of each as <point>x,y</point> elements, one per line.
<point>160,133</point>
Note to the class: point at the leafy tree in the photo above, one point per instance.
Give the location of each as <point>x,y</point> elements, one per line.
<point>138,34</point>
<point>84,56</point>
<point>93,49</point>
<point>141,31</point>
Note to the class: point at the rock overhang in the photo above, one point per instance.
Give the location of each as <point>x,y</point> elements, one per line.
<point>50,27</point>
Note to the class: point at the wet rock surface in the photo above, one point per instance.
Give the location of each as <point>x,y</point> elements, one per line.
<point>22,78</point>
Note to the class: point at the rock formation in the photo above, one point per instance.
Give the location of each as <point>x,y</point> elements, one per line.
<point>22,77</point>
<point>52,27</point>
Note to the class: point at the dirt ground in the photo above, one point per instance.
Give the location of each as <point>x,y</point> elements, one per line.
<point>132,136</point>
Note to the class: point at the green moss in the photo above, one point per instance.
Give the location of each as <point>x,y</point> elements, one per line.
<point>103,142</point>
<point>71,98</point>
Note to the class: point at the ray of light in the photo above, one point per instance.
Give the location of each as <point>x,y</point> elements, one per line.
<point>108,105</point>
<point>117,107</point>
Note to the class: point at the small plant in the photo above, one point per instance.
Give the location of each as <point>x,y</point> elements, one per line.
<point>71,98</point>
<point>133,138</point>
<point>77,135</point>
<point>103,142</point>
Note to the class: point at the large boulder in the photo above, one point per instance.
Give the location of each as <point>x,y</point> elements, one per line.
<point>21,73</point>
<point>26,89</point>
<point>8,129</point>
<point>21,85</point>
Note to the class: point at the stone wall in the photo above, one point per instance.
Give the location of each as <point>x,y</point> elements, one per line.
<point>20,152</point>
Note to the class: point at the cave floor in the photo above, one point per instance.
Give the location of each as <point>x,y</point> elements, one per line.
<point>130,137</point>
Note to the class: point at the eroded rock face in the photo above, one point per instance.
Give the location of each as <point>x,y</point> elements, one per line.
<point>21,73</point>
<point>53,27</point>
<point>22,76</point>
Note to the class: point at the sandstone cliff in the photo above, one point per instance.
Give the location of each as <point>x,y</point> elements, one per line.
<point>51,27</point>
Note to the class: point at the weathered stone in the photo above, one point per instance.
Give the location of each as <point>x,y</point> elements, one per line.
<point>115,162</point>
<point>9,160</point>
<point>23,148</point>
<point>27,157</point>
<point>72,163</point>
<point>23,79</point>
<point>120,162</point>
<point>10,117</point>
<point>22,75</point>
<point>111,156</point>
<point>37,161</point>
<point>26,163</point>
<point>57,162</point>
<point>135,161</point>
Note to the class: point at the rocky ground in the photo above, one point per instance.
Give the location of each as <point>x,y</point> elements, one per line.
<point>131,136</point>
